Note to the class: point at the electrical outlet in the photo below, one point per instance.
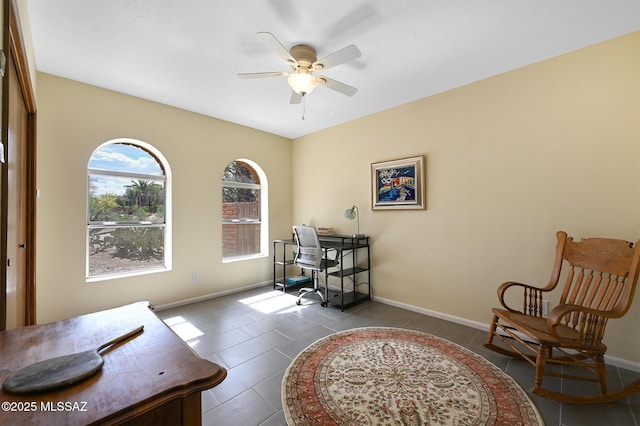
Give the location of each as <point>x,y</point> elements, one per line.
<point>195,276</point>
<point>545,308</point>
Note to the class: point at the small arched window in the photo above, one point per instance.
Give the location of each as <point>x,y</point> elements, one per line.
<point>128,206</point>
<point>244,230</point>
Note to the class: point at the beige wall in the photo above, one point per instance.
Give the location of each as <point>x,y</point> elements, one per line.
<point>510,160</point>
<point>74,119</point>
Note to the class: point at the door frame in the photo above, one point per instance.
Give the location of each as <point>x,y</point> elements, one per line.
<point>13,44</point>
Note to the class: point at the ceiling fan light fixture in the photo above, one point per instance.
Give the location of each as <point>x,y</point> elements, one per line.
<point>304,62</point>
<point>302,81</point>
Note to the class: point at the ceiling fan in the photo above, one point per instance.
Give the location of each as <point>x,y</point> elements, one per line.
<point>304,63</point>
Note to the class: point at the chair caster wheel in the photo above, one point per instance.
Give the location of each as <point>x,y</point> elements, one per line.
<point>298,302</point>
<point>323,304</point>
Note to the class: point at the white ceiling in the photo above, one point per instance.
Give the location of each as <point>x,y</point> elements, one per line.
<point>187,53</point>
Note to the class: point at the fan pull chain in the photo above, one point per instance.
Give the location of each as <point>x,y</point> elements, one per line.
<point>304,107</point>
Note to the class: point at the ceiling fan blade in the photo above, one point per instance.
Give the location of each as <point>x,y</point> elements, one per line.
<point>359,19</point>
<point>345,89</point>
<point>296,98</point>
<point>285,10</point>
<point>263,74</point>
<point>341,56</point>
<point>275,44</point>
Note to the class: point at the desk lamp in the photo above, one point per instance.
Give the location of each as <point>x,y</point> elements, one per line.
<point>351,214</point>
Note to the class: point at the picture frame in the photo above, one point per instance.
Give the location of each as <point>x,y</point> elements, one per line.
<point>398,184</point>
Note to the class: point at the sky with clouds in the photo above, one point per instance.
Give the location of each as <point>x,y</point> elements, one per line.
<point>121,158</point>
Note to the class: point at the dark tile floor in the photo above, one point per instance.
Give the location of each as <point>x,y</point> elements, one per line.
<point>255,334</point>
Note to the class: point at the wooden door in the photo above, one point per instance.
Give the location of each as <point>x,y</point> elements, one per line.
<point>17,214</point>
<point>17,227</point>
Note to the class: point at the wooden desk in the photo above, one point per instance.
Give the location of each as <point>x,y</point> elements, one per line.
<point>347,247</point>
<point>153,378</point>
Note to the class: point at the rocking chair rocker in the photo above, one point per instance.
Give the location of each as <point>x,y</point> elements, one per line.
<point>600,283</point>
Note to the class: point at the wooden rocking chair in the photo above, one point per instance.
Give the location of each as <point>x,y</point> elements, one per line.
<point>600,283</point>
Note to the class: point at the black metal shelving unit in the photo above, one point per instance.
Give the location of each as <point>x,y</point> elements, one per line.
<point>351,267</point>
<point>282,259</point>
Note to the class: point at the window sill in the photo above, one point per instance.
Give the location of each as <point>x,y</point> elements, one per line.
<point>244,257</point>
<point>126,275</point>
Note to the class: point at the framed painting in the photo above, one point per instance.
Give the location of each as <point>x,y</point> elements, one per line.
<point>398,184</point>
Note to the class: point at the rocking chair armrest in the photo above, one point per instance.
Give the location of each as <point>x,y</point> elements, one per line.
<point>525,288</point>
<point>558,313</point>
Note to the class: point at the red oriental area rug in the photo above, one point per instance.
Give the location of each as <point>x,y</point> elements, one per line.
<point>392,376</point>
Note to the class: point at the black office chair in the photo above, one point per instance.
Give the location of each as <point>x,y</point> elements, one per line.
<point>311,256</point>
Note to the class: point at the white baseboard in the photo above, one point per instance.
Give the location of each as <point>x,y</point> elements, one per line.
<point>209,296</point>
<point>618,362</point>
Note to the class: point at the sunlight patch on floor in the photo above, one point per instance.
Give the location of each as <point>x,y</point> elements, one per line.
<point>273,302</point>
<point>183,328</point>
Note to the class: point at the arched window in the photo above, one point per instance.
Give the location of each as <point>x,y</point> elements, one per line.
<point>244,207</point>
<point>128,210</point>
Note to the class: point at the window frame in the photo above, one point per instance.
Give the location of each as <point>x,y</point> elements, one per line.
<point>262,221</point>
<point>165,178</point>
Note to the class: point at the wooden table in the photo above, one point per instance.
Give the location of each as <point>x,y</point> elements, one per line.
<point>153,378</point>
